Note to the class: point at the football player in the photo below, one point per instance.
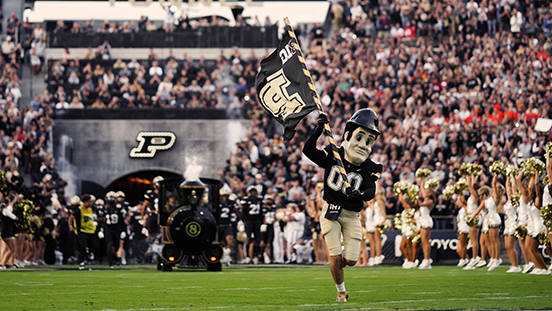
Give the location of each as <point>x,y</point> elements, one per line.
<point>123,206</point>
<point>253,217</point>
<point>343,204</point>
<point>228,212</point>
<point>149,212</point>
<point>114,227</point>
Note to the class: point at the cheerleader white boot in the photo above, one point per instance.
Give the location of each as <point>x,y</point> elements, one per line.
<point>426,264</point>
<point>472,263</point>
<point>371,262</point>
<point>514,270</point>
<point>528,267</point>
<point>463,262</point>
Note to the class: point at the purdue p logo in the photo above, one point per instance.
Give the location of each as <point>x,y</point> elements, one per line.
<point>279,97</point>
<point>151,142</point>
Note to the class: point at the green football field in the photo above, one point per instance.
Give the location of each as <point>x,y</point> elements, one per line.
<point>270,288</point>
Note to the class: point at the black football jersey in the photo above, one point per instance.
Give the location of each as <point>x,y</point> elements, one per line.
<point>114,219</point>
<point>362,177</point>
<point>253,211</point>
<point>227,212</point>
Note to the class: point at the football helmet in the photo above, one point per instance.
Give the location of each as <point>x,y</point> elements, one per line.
<point>99,202</point>
<point>157,180</point>
<point>75,200</point>
<point>120,194</point>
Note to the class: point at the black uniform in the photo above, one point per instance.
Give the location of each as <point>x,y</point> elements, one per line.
<point>253,216</point>
<point>362,177</point>
<point>227,214</point>
<point>114,225</point>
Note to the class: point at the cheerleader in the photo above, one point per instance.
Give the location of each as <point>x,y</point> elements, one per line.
<point>525,188</point>
<point>8,219</point>
<point>488,200</point>
<point>538,227</point>
<point>407,228</point>
<point>547,193</point>
<point>471,206</point>
<point>379,217</point>
<point>370,227</point>
<point>510,218</point>
<point>426,222</point>
<point>463,230</point>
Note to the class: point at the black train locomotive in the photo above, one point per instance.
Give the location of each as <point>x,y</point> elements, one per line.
<point>187,212</point>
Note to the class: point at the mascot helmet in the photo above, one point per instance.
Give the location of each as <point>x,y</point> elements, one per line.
<point>366,118</point>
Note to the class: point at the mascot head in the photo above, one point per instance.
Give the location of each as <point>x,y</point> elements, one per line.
<point>361,131</point>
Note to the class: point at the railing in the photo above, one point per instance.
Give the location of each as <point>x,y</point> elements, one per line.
<point>156,113</point>
<point>202,37</point>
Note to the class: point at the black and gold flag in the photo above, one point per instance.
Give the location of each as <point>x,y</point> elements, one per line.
<point>282,87</point>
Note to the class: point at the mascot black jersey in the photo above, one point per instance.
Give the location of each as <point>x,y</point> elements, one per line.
<point>362,178</point>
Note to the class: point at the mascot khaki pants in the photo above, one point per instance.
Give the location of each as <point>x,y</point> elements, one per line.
<point>348,224</point>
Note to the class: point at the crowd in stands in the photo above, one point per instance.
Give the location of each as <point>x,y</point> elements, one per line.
<point>452,82</point>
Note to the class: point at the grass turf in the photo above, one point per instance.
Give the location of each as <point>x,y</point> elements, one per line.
<point>270,288</point>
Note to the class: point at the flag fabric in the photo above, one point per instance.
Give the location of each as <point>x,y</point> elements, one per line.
<point>282,87</point>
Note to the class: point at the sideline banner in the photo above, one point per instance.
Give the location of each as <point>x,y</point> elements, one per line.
<point>443,246</point>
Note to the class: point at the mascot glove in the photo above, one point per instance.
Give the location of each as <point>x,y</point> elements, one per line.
<point>323,119</point>
<point>145,231</point>
<point>351,192</point>
<point>123,235</point>
<point>101,234</point>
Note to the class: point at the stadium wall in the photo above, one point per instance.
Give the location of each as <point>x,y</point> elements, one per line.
<point>96,151</point>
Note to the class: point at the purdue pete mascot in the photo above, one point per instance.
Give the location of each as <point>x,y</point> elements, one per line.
<point>343,205</point>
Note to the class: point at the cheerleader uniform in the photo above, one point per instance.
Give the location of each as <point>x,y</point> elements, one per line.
<point>369,223</point>
<point>462,226</point>
<point>7,222</point>
<point>510,218</point>
<point>426,222</point>
<point>378,215</point>
<point>472,208</point>
<point>484,220</point>
<point>546,196</point>
<point>405,227</point>
<point>535,221</point>
<point>523,216</point>
<point>493,219</point>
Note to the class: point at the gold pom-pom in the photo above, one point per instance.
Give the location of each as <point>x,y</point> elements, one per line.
<point>471,222</point>
<point>474,169</point>
<point>414,236</point>
<point>432,183</point>
<point>514,199</point>
<point>543,238</point>
<point>546,180</point>
<point>448,192</point>
<point>460,186</point>
<point>520,231</point>
<point>532,166</point>
<point>548,149</point>
<point>546,214</point>
<point>384,226</point>
<point>413,191</point>
<point>409,219</point>
<point>23,210</point>
<point>512,171</point>
<point>497,168</point>
<point>423,173</point>
<point>463,170</point>
<point>400,187</point>
<point>397,222</point>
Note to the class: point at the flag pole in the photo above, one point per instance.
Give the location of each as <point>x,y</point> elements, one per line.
<point>327,130</point>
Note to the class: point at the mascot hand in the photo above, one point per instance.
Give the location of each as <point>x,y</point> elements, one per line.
<point>351,192</point>
<point>123,235</point>
<point>323,119</point>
